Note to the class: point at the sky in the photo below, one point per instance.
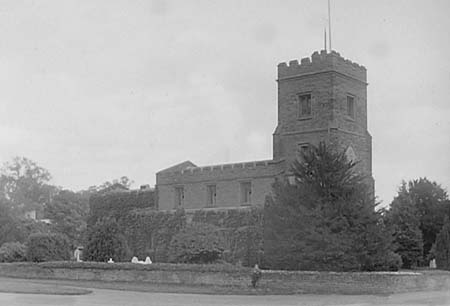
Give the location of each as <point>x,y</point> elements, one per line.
<point>95,90</point>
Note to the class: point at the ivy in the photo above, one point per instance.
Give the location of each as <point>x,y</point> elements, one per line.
<point>117,204</point>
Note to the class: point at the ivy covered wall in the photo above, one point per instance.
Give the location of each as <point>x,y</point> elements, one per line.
<point>118,203</point>
<point>149,232</point>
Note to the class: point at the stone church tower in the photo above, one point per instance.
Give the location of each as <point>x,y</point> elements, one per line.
<point>323,98</point>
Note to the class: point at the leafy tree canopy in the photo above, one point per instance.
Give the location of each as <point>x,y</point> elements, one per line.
<point>122,183</point>
<point>427,202</point>
<point>442,246</point>
<point>25,185</point>
<point>402,219</point>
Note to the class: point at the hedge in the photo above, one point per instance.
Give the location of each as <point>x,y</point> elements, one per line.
<point>151,267</point>
<point>197,243</point>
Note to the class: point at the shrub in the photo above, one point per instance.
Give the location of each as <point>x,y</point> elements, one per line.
<point>47,247</point>
<point>388,262</point>
<point>196,243</point>
<point>443,247</point>
<point>12,252</point>
<point>105,241</point>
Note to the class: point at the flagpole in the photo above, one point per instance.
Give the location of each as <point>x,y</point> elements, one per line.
<point>329,25</point>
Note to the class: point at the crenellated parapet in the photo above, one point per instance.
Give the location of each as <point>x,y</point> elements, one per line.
<point>322,62</point>
<point>223,167</point>
<point>235,170</point>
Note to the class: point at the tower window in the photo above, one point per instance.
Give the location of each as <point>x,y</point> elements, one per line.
<point>350,154</point>
<point>246,193</point>
<point>304,105</point>
<point>302,149</point>
<point>211,195</point>
<point>351,107</point>
<point>179,196</point>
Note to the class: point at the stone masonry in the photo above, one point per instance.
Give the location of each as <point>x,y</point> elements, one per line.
<point>322,98</point>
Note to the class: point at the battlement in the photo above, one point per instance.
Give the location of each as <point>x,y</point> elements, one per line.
<point>321,62</point>
<point>262,164</point>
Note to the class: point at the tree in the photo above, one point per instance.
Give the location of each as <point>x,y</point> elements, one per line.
<point>429,204</point>
<point>327,219</point>
<point>12,251</point>
<point>106,241</point>
<point>443,246</point>
<point>10,227</point>
<point>123,183</point>
<point>24,185</point>
<point>47,247</point>
<point>401,217</point>
<point>68,212</point>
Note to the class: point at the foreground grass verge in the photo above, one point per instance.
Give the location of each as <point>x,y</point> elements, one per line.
<point>76,287</point>
<point>14,285</point>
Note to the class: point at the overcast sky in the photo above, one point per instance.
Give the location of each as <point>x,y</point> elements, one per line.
<point>94,90</point>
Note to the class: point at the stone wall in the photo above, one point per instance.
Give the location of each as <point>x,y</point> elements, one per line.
<point>227,179</point>
<point>271,281</point>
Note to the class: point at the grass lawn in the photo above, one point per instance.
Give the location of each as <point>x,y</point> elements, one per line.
<point>15,285</point>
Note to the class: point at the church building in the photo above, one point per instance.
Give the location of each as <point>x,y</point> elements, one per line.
<point>322,98</point>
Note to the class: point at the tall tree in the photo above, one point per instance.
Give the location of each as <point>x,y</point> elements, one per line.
<point>443,246</point>
<point>10,229</point>
<point>402,219</point>
<point>326,220</point>
<point>429,203</point>
<point>25,185</point>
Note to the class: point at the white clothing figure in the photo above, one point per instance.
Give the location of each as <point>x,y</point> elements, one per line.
<point>148,260</point>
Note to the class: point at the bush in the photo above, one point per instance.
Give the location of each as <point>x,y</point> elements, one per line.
<point>196,243</point>
<point>388,262</point>
<point>12,252</point>
<point>105,241</point>
<point>47,247</point>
